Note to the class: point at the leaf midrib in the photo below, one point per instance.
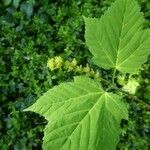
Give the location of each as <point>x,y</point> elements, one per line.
<point>80,122</point>
<point>122,26</point>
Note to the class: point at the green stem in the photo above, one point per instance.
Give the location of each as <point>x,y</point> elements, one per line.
<point>105,80</point>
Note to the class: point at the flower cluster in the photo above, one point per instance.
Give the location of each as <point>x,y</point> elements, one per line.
<point>131,86</point>
<point>55,63</point>
<point>70,65</point>
<point>58,63</point>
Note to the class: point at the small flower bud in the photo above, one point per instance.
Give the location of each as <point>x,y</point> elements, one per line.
<point>86,69</point>
<point>92,73</point>
<point>79,69</point>
<point>74,62</point>
<point>121,80</point>
<point>97,75</point>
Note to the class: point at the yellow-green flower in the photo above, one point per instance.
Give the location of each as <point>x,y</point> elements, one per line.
<point>97,75</point>
<point>121,80</point>
<point>86,69</point>
<point>71,65</point>
<point>51,64</point>
<point>92,73</point>
<point>58,62</point>
<point>74,62</point>
<point>55,63</point>
<point>79,69</point>
<point>131,86</point>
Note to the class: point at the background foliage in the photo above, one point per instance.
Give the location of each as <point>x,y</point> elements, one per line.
<point>30,32</point>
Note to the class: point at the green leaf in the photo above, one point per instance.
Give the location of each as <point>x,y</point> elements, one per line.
<point>16,3</point>
<point>81,116</point>
<point>7,2</point>
<point>117,40</point>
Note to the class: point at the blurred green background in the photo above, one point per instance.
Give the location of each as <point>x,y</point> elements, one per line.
<point>30,32</point>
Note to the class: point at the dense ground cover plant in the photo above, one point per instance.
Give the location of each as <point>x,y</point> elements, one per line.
<point>86,114</point>
<point>29,34</point>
